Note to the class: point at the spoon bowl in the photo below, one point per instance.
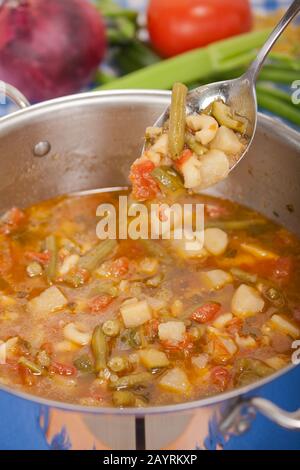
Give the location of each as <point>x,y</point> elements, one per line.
<point>239,93</point>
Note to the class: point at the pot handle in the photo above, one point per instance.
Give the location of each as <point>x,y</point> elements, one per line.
<point>9,91</point>
<point>239,418</point>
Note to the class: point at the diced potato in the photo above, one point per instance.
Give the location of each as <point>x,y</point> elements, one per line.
<point>215,241</point>
<point>209,127</point>
<point>161,145</point>
<point>285,326</point>
<point>214,168</point>
<point>11,345</point>
<point>173,331</point>
<point>223,320</point>
<point>188,247</point>
<point>228,344</point>
<point>135,313</point>
<point>276,362</point>
<point>2,352</point>
<point>246,302</point>
<point>73,333</point>
<point>47,302</point>
<point>149,266</point>
<point>152,358</point>
<point>200,362</point>
<point>191,170</point>
<point>245,341</point>
<point>65,346</point>
<point>258,252</point>
<point>227,141</point>
<point>177,308</point>
<point>194,122</point>
<point>175,381</point>
<point>215,279</point>
<point>154,157</point>
<point>69,263</point>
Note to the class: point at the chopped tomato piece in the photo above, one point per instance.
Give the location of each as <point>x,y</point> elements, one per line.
<point>100,303</point>
<point>12,221</point>
<point>220,377</point>
<point>206,312</point>
<point>120,267</point>
<point>42,258</point>
<point>144,186</point>
<point>62,369</point>
<point>185,346</point>
<point>234,326</point>
<point>48,347</point>
<point>186,155</point>
<point>279,270</point>
<point>27,377</point>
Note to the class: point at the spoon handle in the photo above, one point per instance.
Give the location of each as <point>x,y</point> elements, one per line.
<point>255,67</point>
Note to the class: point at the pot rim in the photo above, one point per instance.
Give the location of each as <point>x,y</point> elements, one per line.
<point>275,126</point>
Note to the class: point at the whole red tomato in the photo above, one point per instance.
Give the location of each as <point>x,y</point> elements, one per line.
<point>176,26</point>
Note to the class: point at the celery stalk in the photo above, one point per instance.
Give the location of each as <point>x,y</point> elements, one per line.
<point>193,65</point>
<point>278,106</point>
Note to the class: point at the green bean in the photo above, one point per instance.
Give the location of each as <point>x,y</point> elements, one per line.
<point>177,120</point>
<point>51,248</point>
<point>243,276</point>
<point>83,363</point>
<point>168,180</point>
<point>105,287</point>
<point>234,224</point>
<point>99,348</point>
<point>118,364</point>
<point>131,381</point>
<point>111,328</point>
<point>195,146</point>
<point>272,294</point>
<point>93,258</point>
<point>34,368</point>
<point>123,398</point>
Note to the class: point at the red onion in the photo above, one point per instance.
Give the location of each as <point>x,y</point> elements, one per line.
<point>49,48</point>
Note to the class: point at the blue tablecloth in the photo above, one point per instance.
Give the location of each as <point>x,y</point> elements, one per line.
<point>23,424</point>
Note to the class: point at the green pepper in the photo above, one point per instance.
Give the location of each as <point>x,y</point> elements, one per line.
<point>34,368</point>
<point>131,381</point>
<point>223,114</point>
<point>168,180</point>
<point>123,398</point>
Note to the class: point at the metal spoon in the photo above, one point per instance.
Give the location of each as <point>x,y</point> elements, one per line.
<point>240,93</point>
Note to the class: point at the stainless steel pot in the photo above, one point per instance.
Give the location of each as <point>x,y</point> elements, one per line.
<point>88,141</point>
